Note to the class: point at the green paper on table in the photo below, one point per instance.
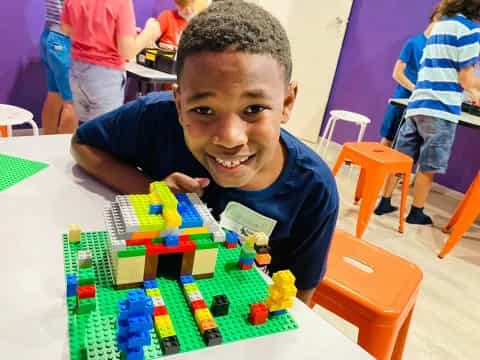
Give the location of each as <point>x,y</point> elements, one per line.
<point>13,170</point>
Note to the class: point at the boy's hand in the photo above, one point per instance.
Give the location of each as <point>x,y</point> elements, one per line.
<point>474,96</point>
<point>179,182</point>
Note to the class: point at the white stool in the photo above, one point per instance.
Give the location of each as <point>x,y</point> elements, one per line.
<point>336,115</point>
<point>13,115</point>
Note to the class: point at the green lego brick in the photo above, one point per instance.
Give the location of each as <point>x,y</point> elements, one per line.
<point>14,169</point>
<point>204,241</point>
<point>86,305</point>
<point>158,240</point>
<point>92,336</point>
<point>247,254</point>
<point>86,276</point>
<point>131,251</point>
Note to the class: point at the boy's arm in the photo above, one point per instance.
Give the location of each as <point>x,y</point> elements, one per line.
<point>399,76</point>
<point>470,83</point>
<point>305,295</point>
<point>113,172</point>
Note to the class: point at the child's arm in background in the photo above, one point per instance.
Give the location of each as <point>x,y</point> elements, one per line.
<point>399,76</point>
<point>129,44</point>
<point>470,83</point>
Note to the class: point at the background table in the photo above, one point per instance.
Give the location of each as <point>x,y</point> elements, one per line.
<point>147,77</point>
<point>34,214</point>
<point>466,119</point>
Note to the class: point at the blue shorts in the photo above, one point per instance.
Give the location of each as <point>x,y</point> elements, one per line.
<point>428,140</point>
<point>55,54</point>
<point>391,121</point>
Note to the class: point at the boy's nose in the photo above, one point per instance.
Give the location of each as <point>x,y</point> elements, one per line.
<point>231,132</point>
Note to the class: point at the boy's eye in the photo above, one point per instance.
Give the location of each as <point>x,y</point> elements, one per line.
<point>254,109</point>
<point>203,110</point>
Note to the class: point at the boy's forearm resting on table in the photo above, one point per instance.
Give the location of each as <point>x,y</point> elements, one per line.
<point>305,295</point>
<point>122,177</point>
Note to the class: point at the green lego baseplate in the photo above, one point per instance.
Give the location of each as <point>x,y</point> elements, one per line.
<point>92,336</point>
<point>14,169</point>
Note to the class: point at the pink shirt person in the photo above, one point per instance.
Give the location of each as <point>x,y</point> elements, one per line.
<point>96,25</point>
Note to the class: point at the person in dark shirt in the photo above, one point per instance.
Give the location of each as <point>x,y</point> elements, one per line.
<point>220,136</point>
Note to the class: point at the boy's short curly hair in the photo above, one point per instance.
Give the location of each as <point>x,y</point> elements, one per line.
<point>235,26</point>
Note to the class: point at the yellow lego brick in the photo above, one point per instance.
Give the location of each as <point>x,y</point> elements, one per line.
<point>153,292</point>
<point>172,218</point>
<point>166,196</point>
<point>163,321</point>
<point>189,288</point>
<point>272,305</point>
<point>129,270</point>
<point>154,199</point>
<point>283,277</point>
<point>74,233</point>
<point>250,242</point>
<point>195,230</point>
<point>166,332</point>
<point>202,314</point>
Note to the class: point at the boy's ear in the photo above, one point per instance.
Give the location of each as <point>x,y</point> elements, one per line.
<point>289,101</point>
<point>176,96</point>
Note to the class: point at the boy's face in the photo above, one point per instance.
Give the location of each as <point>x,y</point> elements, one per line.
<point>186,9</point>
<point>230,106</point>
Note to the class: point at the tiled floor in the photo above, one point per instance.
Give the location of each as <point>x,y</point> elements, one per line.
<point>446,322</point>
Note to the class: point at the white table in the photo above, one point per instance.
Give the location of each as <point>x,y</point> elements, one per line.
<point>147,77</point>
<point>466,119</point>
<point>34,214</point>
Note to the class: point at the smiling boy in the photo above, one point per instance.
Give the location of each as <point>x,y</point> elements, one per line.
<point>221,137</point>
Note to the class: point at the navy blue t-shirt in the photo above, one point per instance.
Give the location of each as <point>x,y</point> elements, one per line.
<point>146,133</point>
<point>411,55</point>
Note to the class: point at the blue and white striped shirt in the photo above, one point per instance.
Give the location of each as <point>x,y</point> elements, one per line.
<point>453,45</point>
<point>53,12</point>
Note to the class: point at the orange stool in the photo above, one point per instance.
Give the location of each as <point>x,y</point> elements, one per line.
<point>3,131</point>
<point>464,216</point>
<point>376,162</point>
<point>378,295</point>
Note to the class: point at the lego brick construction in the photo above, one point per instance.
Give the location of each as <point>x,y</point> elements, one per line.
<point>93,330</point>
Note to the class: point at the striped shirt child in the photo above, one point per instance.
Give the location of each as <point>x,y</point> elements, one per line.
<point>53,12</point>
<point>454,44</point>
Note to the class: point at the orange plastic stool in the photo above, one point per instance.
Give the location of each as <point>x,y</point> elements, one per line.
<point>3,131</point>
<point>378,297</point>
<point>376,162</point>
<point>464,216</point>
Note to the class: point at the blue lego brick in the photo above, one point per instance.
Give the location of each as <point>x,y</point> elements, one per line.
<point>137,302</point>
<point>150,284</point>
<point>139,340</point>
<point>246,261</point>
<point>188,212</point>
<point>72,285</point>
<point>278,313</point>
<point>172,240</point>
<point>155,209</point>
<point>186,279</point>
<point>140,323</point>
<point>135,354</point>
<point>231,237</point>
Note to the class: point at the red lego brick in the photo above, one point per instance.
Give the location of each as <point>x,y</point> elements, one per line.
<point>160,310</point>
<point>160,249</point>
<point>197,304</point>
<point>230,245</point>
<point>258,313</point>
<point>136,242</point>
<point>244,267</point>
<point>86,291</point>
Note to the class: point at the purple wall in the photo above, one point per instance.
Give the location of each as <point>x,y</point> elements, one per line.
<point>22,79</point>
<point>363,81</point>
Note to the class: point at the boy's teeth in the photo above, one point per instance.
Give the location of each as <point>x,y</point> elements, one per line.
<point>230,163</point>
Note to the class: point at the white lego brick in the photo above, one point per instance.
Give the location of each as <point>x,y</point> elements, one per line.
<point>128,214</point>
<point>84,258</point>
<point>219,236</point>
<point>194,296</point>
<point>158,302</point>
